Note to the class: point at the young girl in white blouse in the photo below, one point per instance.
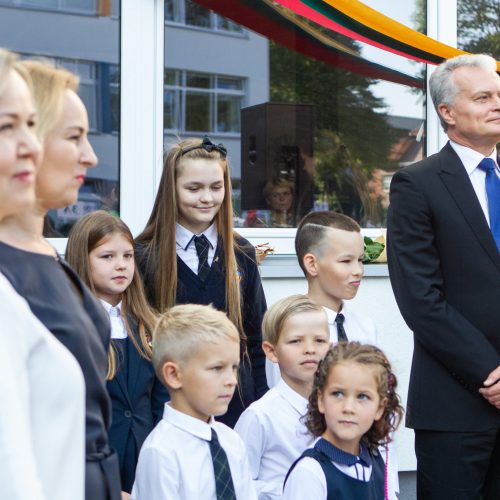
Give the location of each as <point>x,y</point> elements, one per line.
<point>352,410</point>
<point>100,249</point>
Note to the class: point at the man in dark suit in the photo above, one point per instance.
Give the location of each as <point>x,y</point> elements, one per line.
<point>444,264</point>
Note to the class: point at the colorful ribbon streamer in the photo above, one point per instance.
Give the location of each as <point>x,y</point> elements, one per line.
<point>269,20</point>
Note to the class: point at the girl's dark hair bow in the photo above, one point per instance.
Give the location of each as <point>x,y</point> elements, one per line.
<point>208,146</point>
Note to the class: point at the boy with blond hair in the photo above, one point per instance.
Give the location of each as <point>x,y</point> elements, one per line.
<point>296,337</point>
<point>188,454</point>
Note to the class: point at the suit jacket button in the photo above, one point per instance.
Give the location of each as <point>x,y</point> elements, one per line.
<point>127,413</point>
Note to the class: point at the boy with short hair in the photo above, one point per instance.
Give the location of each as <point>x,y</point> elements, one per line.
<point>188,454</point>
<point>296,337</point>
<point>330,250</point>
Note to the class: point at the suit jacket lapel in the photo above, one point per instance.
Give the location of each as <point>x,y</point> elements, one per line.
<point>457,182</point>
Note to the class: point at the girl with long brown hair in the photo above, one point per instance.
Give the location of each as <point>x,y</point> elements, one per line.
<point>189,253</point>
<point>101,250</point>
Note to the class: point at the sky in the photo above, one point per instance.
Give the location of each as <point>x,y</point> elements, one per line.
<point>399,98</point>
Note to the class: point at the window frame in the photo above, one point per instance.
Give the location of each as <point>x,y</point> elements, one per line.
<point>60,7</point>
<point>213,91</point>
<point>142,134</point>
<point>180,20</point>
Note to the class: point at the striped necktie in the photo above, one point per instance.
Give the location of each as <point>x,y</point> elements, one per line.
<point>202,245</point>
<point>224,486</point>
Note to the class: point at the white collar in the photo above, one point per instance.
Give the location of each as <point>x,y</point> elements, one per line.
<point>184,237</point>
<point>112,310</point>
<point>471,158</point>
<point>331,314</point>
<point>293,397</point>
<point>188,423</point>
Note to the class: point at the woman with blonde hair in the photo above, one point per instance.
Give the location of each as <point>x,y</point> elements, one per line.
<point>56,295</point>
<point>42,389</point>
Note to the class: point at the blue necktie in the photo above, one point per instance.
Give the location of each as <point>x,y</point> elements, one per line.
<point>224,487</point>
<point>492,183</point>
<point>342,336</point>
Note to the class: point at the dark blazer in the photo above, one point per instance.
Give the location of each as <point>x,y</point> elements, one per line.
<point>137,399</point>
<point>62,302</point>
<point>445,272</point>
<point>191,290</point>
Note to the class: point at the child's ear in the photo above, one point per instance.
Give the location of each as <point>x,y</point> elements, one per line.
<point>381,409</point>
<point>172,375</point>
<point>269,351</point>
<point>310,264</point>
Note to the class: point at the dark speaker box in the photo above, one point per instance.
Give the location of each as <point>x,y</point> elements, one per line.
<point>277,141</point>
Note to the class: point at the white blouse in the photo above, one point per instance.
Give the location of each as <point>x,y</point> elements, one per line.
<point>42,416</point>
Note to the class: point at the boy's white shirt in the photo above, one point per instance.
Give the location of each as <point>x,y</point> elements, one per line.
<point>274,437</point>
<point>175,460</point>
<point>361,329</point>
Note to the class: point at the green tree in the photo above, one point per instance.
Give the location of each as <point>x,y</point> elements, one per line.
<point>352,135</point>
<point>479,26</point>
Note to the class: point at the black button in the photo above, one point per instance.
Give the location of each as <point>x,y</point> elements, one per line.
<point>127,413</point>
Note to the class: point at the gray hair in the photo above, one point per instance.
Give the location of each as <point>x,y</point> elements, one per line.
<point>441,84</point>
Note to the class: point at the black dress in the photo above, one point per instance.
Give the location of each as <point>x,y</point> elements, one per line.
<point>59,299</point>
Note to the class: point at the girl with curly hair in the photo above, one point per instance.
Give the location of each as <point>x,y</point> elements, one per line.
<point>352,410</point>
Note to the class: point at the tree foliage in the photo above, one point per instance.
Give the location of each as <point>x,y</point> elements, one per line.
<point>479,26</point>
<point>343,102</point>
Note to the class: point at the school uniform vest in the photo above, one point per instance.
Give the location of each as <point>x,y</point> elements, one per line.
<point>340,486</point>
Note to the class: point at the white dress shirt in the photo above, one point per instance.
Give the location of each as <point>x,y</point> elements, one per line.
<point>42,416</point>
<point>175,460</point>
<point>357,328</point>
<point>307,480</point>
<point>477,176</point>
<point>185,245</point>
<point>274,437</point>
<point>118,330</point>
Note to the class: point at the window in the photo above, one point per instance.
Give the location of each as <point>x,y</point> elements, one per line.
<point>202,102</point>
<point>304,131</point>
<point>75,6</point>
<point>479,27</point>
<point>190,13</point>
<point>87,71</point>
<point>81,45</point>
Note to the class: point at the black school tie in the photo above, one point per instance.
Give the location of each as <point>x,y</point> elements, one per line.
<point>492,184</point>
<point>339,319</point>
<point>202,245</point>
<point>224,487</point>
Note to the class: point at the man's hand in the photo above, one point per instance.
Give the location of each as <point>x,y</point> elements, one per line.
<point>491,389</point>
